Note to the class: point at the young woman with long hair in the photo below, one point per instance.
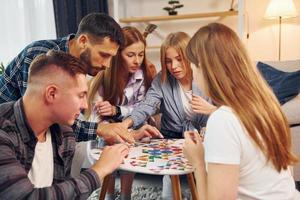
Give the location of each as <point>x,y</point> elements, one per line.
<point>114,93</point>
<point>171,94</point>
<point>247,142</point>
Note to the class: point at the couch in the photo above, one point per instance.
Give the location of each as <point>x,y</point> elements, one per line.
<point>292,111</point>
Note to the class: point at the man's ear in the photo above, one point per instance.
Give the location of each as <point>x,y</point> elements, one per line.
<point>83,41</point>
<point>51,93</point>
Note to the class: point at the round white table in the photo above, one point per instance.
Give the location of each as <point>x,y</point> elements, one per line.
<point>157,157</point>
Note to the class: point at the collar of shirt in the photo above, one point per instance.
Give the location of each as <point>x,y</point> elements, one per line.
<point>68,38</point>
<point>26,132</point>
<point>137,76</point>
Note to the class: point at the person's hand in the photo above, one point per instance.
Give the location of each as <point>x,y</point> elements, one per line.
<point>201,106</point>
<point>127,123</point>
<point>110,159</point>
<point>104,108</point>
<point>193,148</point>
<point>146,131</point>
<point>114,132</point>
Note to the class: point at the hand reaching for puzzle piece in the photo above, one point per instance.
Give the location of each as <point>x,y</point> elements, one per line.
<point>146,131</point>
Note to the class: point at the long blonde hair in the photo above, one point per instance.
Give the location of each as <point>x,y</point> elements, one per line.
<point>179,42</point>
<point>231,79</point>
<point>114,79</point>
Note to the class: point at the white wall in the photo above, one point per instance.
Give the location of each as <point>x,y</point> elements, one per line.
<point>24,21</point>
<point>262,43</point>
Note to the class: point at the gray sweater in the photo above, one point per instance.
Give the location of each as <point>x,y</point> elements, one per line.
<point>166,99</point>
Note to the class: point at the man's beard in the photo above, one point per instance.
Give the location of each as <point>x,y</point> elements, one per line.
<point>86,58</point>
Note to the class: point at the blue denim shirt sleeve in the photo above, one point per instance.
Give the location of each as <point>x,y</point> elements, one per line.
<point>150,105</point>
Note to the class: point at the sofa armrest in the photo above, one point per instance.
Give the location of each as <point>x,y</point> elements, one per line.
<point>292,110</point>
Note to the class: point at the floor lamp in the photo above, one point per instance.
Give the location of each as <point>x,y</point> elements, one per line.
<point>280,9</point>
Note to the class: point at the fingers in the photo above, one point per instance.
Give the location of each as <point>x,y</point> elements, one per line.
<point>192,136</point>
<point>153,131</point>
<point>115,131</point>
<point>187,135</point>
<point>119,139</point>
<point>125,136</point>
<point>104,108</point>
<point>121,134</point>
<point>121,147</point>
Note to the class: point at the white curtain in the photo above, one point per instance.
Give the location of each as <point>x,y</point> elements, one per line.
<point>22,22</point>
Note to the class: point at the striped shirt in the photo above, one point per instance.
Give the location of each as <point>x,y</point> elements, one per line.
<point>134,93</point>
<point>17,144</point>
<point>13,82</point>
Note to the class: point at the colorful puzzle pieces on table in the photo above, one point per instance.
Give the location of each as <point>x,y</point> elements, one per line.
<point>160,157</point>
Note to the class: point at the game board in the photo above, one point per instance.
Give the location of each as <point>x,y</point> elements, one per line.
<point>160,156</point>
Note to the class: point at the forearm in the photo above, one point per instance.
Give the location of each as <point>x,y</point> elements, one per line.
<point>128,122</point>
<point>15,183</point>
<point>79,188</point>
<point>201,182</point>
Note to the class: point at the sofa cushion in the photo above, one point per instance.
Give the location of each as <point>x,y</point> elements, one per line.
<point>285,85</point>
<point>292,110</point>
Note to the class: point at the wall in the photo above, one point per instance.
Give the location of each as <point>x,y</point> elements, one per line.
<point>262,43</point>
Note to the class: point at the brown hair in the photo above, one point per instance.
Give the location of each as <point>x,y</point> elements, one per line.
<point>64,61</point>
<point>179,42</point>
<point>231,80</point>
<point>112,79</point>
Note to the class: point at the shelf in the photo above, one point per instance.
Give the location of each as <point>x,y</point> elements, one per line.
<point>177,17</point>
<point>153,47</point>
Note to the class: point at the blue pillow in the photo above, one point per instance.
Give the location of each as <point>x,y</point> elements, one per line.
<point>285,85</point>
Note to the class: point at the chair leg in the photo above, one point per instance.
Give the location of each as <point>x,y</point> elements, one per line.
<point>104,187</point>
<point>176,187</point>
<point>192,185</point>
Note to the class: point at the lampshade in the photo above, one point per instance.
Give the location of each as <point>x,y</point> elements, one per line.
<point>281,8</point>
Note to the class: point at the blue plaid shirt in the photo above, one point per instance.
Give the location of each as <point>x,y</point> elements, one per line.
<point>13,82</point>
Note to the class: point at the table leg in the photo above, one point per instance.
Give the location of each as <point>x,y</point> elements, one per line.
<point>192,185</point>
<point>104,187</point>
<point>176,187</point>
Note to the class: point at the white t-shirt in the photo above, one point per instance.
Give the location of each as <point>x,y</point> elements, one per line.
<point>41,172</point>
<point>227,142</point>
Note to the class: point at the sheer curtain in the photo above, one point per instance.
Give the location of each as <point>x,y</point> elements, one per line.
<point>22,22</point>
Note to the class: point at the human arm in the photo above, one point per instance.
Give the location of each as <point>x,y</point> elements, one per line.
<point>192,144</point>
<point>146,131</point>
<point>15,183</point>
<point>210,185</point>
<point>110,159</point>
<point>201,105</point>
<point>148,107</point>
<point>85,130</point>
<point>13,81</point>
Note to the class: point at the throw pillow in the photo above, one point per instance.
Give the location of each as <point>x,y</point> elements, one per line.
<point>285,85</point>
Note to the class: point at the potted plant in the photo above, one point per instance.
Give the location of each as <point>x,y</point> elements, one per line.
<point>173,6</point>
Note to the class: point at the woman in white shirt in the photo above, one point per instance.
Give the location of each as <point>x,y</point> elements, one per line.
<point>247,146</point>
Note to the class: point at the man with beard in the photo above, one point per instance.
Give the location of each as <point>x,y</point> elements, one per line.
<point>97,40</point>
